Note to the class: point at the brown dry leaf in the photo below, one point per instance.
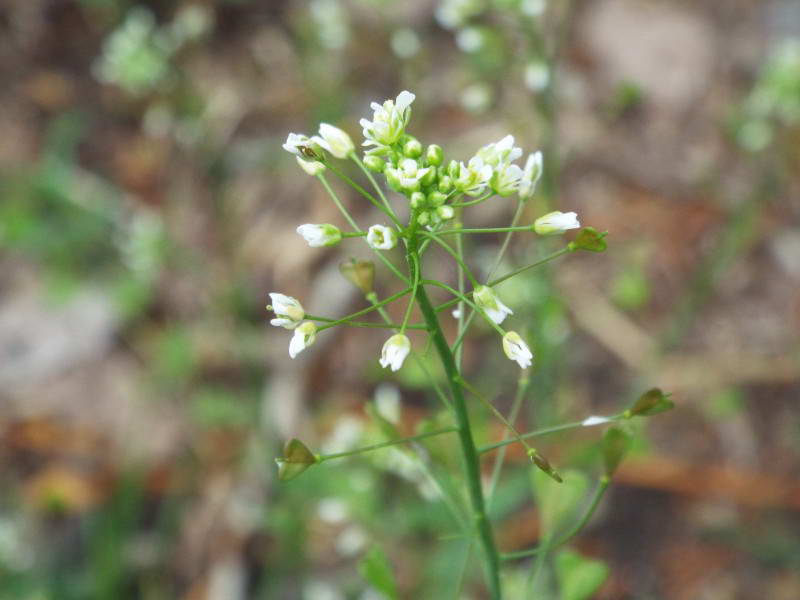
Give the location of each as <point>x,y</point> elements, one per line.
<point>61,489</point>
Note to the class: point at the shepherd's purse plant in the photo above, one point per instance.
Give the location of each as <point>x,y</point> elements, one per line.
<point>434,194</point>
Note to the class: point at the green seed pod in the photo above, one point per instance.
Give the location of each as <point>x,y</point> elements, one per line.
<point>434,155</point>
<point>374,163</point>
<point>296,459</point>
<point>412,148</point>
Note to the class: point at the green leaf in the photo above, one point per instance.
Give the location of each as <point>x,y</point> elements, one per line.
<point>558,501</point>
<point>651,403</point>
<point>579,578</point>
<point>377,571</point>
<point>296,459</point>
<point>616,444</point>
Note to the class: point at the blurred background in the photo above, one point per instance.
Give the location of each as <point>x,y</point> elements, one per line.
<point>146,210</point>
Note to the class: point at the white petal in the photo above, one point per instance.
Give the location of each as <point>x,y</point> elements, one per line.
<point>404,100</point>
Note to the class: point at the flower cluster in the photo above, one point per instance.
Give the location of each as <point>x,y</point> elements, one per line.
<point>435,192</point>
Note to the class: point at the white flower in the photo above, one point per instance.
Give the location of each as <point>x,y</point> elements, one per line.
<point>486,299</point>
<point>320,235</point>
<point>555,223</point>
<point>457,312</point>
<point>536,76</point>
<point>516,349</point>
<point>334,140</point>
<point>500,153</point>
<point>452,14</point>
<point>388,120</point>
<point>530,175</point>
<point>395,351</point>
<point>381,237</point>
<point>471,179</point>
<point>506,179</point>
<point>303,337</point>
<point>288,310</point>
<point>312,167</point>
<point>408,174</point>
<point>301,146</point>
<point>533,8</point>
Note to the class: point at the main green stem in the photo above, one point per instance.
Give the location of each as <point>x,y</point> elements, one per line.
<point>468,449</point>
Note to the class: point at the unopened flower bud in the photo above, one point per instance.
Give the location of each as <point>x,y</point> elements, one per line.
<point>516,349</point>
<point>434,155</point>
<point>423,218</point>
<point>418,200</point>
<point>381,237</point>
<point>412,148</point>
<point>429,176</point>
<point>304,336</point>
<point>361,273</point>
<point>288,311</point>
<point>445,213</point>
<point>453,169</point>
<point>445,184</point>
<point>556,223</point>
<point>374,163</point>
<point>436,198</point>
<point>320,235</point>
<point>395,351</point>
<point>487,299</point>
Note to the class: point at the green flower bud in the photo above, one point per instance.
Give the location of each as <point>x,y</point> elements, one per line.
<point>423,218</point>
<point>412,148</point>
<point>436,198</point>
<point>453,169</point>
<point>429,177</point>
<point>374,163</point>
<point>393,180</point>
<point>434,155</point>
<point>418,200</point>
<point>445,184</point>
<point>445,213</point>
